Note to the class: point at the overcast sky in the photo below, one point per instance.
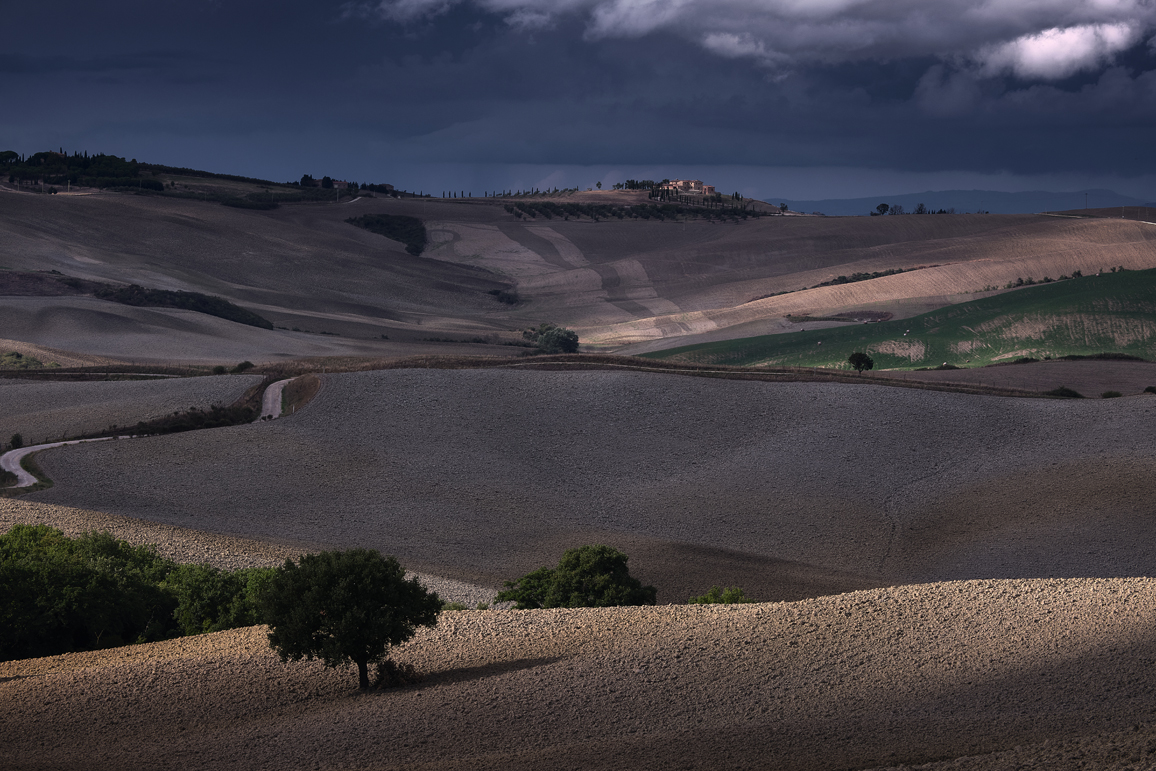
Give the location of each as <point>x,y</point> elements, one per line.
<point>790,98</point>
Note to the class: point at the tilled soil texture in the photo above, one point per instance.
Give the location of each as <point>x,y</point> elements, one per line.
<point>181,544</point>
<point>615,282</point>
<point>982,675</point>
<point>1089,378</point>
<point>48,411</point>
<point>789,490</point>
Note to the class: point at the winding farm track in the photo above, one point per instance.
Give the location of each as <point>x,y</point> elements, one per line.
<point>10,461</point>
<point>271,399</point>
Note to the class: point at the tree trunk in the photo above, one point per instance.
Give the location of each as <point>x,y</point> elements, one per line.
<point>363,675</point>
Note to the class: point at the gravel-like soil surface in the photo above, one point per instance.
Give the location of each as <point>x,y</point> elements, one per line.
<point>1053,674</point>
<point>789,490</point>
<point>49,410</point>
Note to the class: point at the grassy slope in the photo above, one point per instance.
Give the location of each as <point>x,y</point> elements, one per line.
<point>1111,312</point>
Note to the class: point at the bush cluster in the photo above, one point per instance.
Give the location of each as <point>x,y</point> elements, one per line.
<point>72,594</point>
<point>550,338</point>
<point>587,577</point>
<point>210,305</point>
<point>396,227</point>
<point>717,596</point>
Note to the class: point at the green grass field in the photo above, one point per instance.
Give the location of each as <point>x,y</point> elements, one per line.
<point>1113,312</point>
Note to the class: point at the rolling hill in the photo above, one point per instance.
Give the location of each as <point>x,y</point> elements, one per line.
<point>630,285</point>
<point>963,201</point>
<point>1111,312</point>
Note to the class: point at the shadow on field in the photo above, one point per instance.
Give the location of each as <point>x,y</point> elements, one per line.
<point>468,674</point>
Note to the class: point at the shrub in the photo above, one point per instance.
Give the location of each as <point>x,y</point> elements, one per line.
<point>860,361</point>
<point>717,596</point>
<point>16,442</point>
<point>1110,395</point>
<point>1065,392</point>
<point>1150,390</point>
<point>219,369</point>
<point>17,360</point>
<point>587,577</point>
<point>550,338</point>
<point>509,297</point>
<point>396,227</point>
<point>245,365</point>
<point>211,600</point>
<point>210,305</point>
<point>344,606</point>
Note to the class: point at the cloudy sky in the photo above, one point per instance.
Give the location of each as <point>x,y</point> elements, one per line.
<point>791,98</point>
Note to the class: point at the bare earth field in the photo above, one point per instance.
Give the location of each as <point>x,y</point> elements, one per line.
<point>789,490</point>
<point>169,336</point>
<point>49,410</point>
<point>949,581</point>
<point>828,495</point>
<point>985,675</point>
<point>1090,378</point>
<point>617,283</point>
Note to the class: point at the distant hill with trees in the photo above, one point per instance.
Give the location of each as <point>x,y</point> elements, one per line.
<point>56,171</point>
<point>963,202</point>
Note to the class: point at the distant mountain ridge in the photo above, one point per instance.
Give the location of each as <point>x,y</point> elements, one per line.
<point>966,201</point>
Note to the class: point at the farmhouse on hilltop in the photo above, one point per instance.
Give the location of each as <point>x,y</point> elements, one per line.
<point>688,187</point>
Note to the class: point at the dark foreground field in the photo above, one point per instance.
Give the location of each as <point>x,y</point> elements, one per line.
<point>790,490</point>
<point>856,507</point>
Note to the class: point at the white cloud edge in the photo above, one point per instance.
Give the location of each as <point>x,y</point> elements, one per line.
<point>1030,39</point>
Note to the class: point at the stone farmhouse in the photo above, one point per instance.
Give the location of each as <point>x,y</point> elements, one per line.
<point>688,187</point>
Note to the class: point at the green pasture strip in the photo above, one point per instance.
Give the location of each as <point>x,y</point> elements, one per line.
<point>1112,312</point>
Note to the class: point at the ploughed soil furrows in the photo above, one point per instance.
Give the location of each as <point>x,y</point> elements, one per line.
<point>789,490</point>
<point>50,411</point>
<point>985,675</point>
<point>617,282</point>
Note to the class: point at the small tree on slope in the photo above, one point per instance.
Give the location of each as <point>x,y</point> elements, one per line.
<point>860,361</point>
<point>344,606</point>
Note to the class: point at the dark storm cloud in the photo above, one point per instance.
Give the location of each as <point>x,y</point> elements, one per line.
<point>362,89</point>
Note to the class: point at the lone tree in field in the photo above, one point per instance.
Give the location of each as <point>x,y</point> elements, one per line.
<point>344,606</point>
<point>861,361</point>
<point>586,577</point>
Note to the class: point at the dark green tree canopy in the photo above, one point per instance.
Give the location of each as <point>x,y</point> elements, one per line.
<point>344,606</point>
<point>718,596</point>
<point>860,361</point>
<point>551,338</point>
<point>586,577</point>
<point>59,594</point>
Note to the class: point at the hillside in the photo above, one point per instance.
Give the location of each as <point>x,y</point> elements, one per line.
<point>984,675</point>
<point>790,490</point>
<point>331,288</point>
<point>963,201</point>
<point>1109,312</point>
